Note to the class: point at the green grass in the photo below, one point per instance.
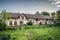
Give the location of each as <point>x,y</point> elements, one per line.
<point>46,33</point>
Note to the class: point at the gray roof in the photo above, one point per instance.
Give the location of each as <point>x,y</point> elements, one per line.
<point>29,16</point>
<point>14,15</point>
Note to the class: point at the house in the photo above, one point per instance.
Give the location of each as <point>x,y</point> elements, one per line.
<point>21,19</point>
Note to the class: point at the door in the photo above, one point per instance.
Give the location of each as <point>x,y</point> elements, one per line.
<point>46,22</point>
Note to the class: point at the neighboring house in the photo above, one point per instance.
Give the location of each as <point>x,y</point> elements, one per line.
<point>22,19</point>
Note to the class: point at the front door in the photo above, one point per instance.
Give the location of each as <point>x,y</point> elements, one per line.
<point>40,23</point>
<point>46,22</point>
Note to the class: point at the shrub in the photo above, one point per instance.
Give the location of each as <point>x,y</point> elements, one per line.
<point>57,23</point>
<point>2,26</point>
<point>5,37</point>
<point>49,38</point>
<point>11,28</point>
<point>40,38</point>
<point>29,23</point>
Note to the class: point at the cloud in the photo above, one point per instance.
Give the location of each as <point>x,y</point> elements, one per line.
<point>56,2</point>
<point>58,5</point>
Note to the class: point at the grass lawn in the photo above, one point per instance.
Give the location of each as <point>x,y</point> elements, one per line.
<point>47,33</point>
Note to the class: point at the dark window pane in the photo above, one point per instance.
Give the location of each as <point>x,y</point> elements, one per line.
<point>10,22</point>
<point>22,17</point>
<point>15,22</point>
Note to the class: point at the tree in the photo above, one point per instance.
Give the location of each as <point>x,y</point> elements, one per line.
<point>45,13</point>
<point>37,13</point>
<point>58,18</point>
<point>2,25</point>
<point>53,15</point>
<point>4,17</point>
<point>58,14</point>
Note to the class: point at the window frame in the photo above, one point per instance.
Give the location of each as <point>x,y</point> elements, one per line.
<point>15,22</point>
<point>22,17</point>
<point>10,23</point>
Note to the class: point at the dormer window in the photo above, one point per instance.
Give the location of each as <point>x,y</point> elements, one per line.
<point>36,19</point>
<point>22,17</point>
<point>15,19</point>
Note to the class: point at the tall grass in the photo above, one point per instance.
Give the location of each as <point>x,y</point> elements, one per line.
<point>42,32</point>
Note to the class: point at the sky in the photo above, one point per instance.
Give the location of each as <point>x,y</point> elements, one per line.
<point>29,6</point>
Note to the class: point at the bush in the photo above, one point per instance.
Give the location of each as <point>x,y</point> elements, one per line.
<point>57,23</point>
<point>2,26</point>
<point>29,23</point>
<point>5,37</point>
<point>11,28</point>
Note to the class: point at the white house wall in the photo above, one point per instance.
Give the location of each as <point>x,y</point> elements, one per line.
<point>26,20</point>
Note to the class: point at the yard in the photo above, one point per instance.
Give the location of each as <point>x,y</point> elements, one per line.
<point>34,33</point>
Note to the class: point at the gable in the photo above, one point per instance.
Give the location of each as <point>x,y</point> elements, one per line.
<point>22,17</point>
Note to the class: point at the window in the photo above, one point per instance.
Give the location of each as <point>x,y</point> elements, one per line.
<point>22,17</point>
<point>46,22</point>
<point>10,22</point>
<point>40,23</point>
<point>36,20</point>
<point>15,22</point>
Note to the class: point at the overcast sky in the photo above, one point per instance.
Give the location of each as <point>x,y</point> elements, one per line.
<point>29,6</point>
